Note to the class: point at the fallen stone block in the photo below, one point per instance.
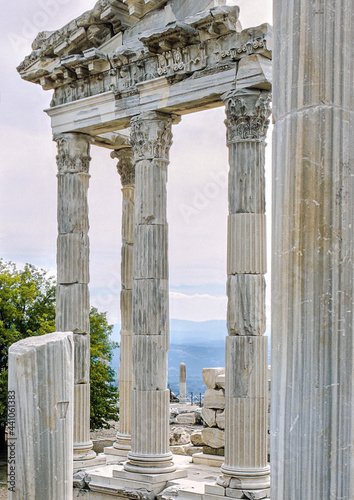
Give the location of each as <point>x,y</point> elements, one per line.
<point>196,438</point>
<point>210,375</point>
<point>186,418</point>
<point>179,436</point>
<point>220,419</point>
<point>209,417</point>
<point>214,398</point>
<point>213,437</point>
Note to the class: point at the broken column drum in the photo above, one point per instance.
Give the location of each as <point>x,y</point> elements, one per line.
<point>40,427</point>
<point>246,349</point>
<point>126,170</point>
<point>72,297</point>
<point>151,139</point>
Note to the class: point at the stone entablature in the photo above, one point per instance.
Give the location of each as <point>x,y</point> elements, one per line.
<point>77,64</point>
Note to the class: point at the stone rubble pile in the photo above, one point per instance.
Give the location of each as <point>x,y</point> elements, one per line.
<point>213,412</point>
<point>185,438</point>
<point>185,432</point>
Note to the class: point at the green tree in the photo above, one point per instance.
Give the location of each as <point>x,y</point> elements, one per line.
<point>104,393</point>
<point>27,308</point>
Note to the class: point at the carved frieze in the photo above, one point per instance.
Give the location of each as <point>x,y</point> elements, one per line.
<point>250,41</point>
<point>247,116</point>
<point>185,60</point>
<point>125,166</point>
<point>248,48</point>
<point>151,136</point>
<point>73,153</point>
<point>73,62</point>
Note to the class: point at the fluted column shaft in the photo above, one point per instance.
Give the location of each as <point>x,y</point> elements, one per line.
<point>151,139</point>
<point>73,301</point>
<point>245,466</point>
<point>126,169</point>
<point>312,425</point>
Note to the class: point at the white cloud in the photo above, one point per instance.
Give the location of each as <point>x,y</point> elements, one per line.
<point>198,307</point>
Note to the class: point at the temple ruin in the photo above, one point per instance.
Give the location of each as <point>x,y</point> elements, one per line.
<point>123,75</point>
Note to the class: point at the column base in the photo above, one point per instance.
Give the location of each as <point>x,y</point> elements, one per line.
<point>245,479</point>
<point>123,442</point>
<point>112,481</point>
<point>150,464</point>
<point>215,492</point>
<point>206,459</point>
<point>121,447</point>
<point>93,462</point>
<point>84,451</point>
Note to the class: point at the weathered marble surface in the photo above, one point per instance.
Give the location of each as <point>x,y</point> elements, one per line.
<point>210,376</point>
<point>126,169</point>
<point>176,57</point>
<point>209,416</point>
<point>220,419</point>
<point>151,139</point>
<point>72,294</point>
<point>41,380</point>
<point>213,437</point>
<point>182,383</point>
<point>246,401</point>
<point>214,398</point>
<point>312,425</point>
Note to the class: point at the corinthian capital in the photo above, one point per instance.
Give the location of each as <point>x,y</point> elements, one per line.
<point>73,153</point>
<point>151,136</point>
<point>125,166</point>
<point>247,115</point>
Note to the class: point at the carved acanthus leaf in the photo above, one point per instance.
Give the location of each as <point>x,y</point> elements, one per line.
<point>247,116</point>
<point>73,153</point>
<point>151,136</point>
<point>125,166</point>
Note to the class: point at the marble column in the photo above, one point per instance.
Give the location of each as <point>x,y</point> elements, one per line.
<point>151,139</point>
<point>73,301</point>
<point>40,418</point>
<point>126,169</point>
<point>182,383</point>
<point>246,468</point>
<point>312,424</point>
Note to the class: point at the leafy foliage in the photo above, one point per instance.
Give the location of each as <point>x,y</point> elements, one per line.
<point>27,308</point>
<point>104,394</point>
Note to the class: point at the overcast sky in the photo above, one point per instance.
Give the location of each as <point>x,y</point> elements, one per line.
<point>197,187</point>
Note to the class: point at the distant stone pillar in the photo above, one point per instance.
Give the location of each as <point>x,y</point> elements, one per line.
<point>182,383</point>
<point>151,139</point>
<point>73,301</point>
<point>312,424</point>
<point>246,467</point>
<point>126,169</point>
<point>40,419</point>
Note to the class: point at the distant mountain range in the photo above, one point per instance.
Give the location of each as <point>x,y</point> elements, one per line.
<point>197,344</point>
